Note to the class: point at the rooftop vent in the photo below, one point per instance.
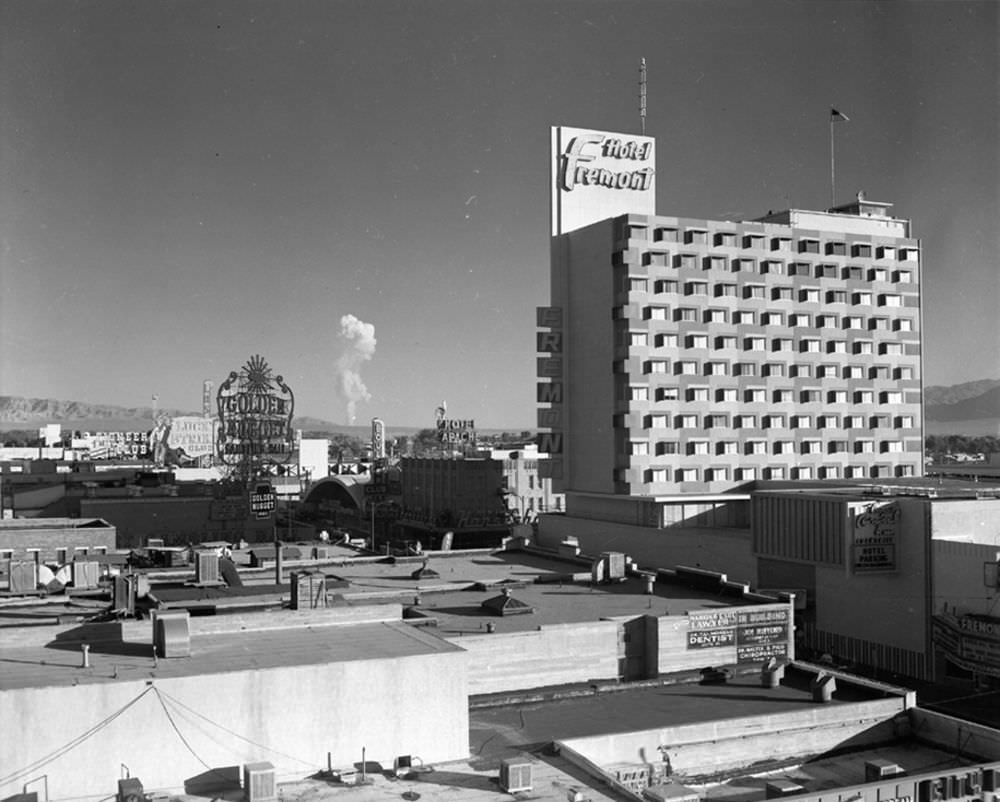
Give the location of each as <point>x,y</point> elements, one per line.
<point>423,572</point>
<point>505,604</point>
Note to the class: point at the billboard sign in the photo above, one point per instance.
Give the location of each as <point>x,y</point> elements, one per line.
<point>874,536</point>
<point>756,634</point>
<point>598,174</point>
<point>969,641</point>
<point>255,416</point>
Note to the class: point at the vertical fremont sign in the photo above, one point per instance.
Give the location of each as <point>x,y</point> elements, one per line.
<point>255,417</point>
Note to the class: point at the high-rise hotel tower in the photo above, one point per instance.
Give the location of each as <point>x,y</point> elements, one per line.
<point>683,355</point>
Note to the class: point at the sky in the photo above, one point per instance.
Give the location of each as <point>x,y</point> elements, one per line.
<point>357,190</point>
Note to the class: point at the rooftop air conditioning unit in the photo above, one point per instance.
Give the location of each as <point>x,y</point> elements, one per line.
<point>206,569</point>
<point>85,574</point>
<point>515,775</point>
<point>23,576</point>
<point>130,790</point>
<point>258,782</point>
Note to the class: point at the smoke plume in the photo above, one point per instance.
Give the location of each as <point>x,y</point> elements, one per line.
<point>357,341</point>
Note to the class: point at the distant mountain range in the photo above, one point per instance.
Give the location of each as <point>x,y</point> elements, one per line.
<point>972,408</point>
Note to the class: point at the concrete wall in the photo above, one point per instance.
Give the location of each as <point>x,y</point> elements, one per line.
<point>706,748</point>
<point>50,540</point>
<point>299,713</point>
<point>725,550</point>
<point>944,732</point>
<point>958,576</point>
<point>551,655</point>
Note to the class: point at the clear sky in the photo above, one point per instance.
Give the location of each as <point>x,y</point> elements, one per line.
<point>187,184</point>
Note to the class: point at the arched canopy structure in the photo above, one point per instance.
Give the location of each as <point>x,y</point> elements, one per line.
<point>348,490</point>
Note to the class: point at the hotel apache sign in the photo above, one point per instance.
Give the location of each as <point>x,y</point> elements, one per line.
<point>255,416</point>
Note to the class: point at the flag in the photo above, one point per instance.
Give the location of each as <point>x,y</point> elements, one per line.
<point>836,117</point>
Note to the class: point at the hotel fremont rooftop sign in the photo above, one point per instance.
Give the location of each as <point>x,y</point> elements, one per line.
<point>597,175</point>
<point>255,417</point>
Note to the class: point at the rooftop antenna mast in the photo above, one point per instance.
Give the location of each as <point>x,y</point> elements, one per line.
<point>642,94</point>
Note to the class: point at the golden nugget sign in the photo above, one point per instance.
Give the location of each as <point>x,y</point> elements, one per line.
<point>255,415</point>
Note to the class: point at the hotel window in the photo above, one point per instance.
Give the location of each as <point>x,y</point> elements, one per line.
<point>836,347</point>
<point>656,313</point>
<point>716,368</point>
<point>836,249</point>
<point>799,269</point>
<point>657,258</point>
<point>812,447</point>
<point>686,313</point>
<point>688,260</point>
<point>885,252</point>
<point>724,341</point>
<point>784,396</point>
<point>809,346</point>
<point>696,341</point>
<point>637,284</point>
<point>837,447</point>
<point>890,300</point>
<point>697,447</point>
<point>753,240</point>
<point>854,472</point>
<point>906,470</point>
<point>638,448</point>
<point>810,396</point>
<point>836,296</point>
<point>754,291</point>
<point>773,267</point>
<point>830,471</point>
<point>715,316</point>
<point>861,249</point>
<point>809,296</point>
<point>799,320</point>
<point>772,319</point>
<point>909,254</point>
<point>744,265</point>
<point>638,393</point>
<point>697,394</point>
<point>892,447</point>
<point>854,273</point>
<point>637,339</point>
<point>827,271</point>
<point>746,474</point>
<point>657,474</point>
<point>656,422</point>
<point>777,472</point>
<point>903,324</point>
<point>891,397</point>
<point>657,366</point>
<point>802,371</point>
<point>854,322</point>
<point>727,447</point>
<point>687,475</point>
<point>880,422</point>
<point>864,396</point>
<point>686,367</point>
<point>782,294</point>
<point>778,369</point>
<point>891,349</point>
<point>903,277</point>
<point>717,421</point>
<point>745,369</point>
<point>774,422</point>
<point>862,299</point>
<point>665,285</point>
<point>754,343</point>
<point>755,447</point>
<point>745,421</point>
<point>782,344</point>
<point>665,340</point>
<point>802,422</point>
<point>878,274</point>
<point>808,246</point>
<point>686,422</point>
<point>716,474</point>
<point>827,372</point>
<point>667,447</point>
<point>743,318</point>
<point>696,288</point>
<point>725,290</point>
<point>667,394</point>
<point>696,235</point>
<point>755,395</point>
<point>665,234</point>
<point>904,422</point>
<point>781,243</point>
<point>836,397</point>
<point>726,238</point>
<point>863,347</point>
<point>829,422</point>
<point>827,321</point>
<point>905,372</point>
<point>854,372</point>
<point>784,447</point>
<point>803,472</point>
<point>636,231</point>
<point>727,394</point>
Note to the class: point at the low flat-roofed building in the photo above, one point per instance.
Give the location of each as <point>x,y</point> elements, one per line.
<point>55,540</point>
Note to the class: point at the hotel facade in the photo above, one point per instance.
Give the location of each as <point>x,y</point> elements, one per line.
<point>691,356</point>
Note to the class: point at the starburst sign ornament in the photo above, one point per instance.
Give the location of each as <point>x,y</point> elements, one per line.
<point>255,417</point>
